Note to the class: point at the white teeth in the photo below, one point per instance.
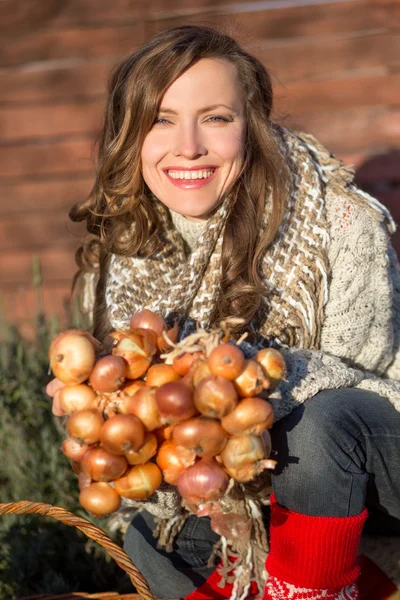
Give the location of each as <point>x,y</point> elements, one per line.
<point>203,174</point>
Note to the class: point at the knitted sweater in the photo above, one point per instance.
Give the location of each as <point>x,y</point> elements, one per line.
<point>362,316</point>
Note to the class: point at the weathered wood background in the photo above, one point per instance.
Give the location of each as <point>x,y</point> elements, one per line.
<point>336,69</point>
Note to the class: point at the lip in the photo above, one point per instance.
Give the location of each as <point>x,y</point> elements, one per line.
<point>190,184</point>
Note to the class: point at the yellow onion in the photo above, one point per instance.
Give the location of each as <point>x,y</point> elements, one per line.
<point>273,365</point>
<point>85,426</point>
<point>140,482</point>
<point>204,436</point>
<point>108,374</point>
<point>251,415</point>
<point>146,451</point>
<point>252,380</point>
<point>173,460</point>
<point>100,465</point>
<point>122,433</point>
<point>244,457</point>
<point>72,356</point>
<point>144,406</point>
<point>215,396</point>
<point>76,397</point>
<point>100,499</point>
<point>137,349</point>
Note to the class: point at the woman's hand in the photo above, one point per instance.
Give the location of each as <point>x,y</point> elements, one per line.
<point>53,390</point>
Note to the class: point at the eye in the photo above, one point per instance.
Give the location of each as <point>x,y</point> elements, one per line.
<point>219,119</point>
<point>160,121</point>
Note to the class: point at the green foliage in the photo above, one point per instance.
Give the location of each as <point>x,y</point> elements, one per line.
<point>38,554</point>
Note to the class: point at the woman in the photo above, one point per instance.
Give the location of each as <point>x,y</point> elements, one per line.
<point>203,208</point>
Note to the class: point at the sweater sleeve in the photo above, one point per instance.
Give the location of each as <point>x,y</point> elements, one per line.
<point>360,335</point>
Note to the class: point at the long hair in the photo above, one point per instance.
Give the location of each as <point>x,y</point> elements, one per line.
<point>120,202</point>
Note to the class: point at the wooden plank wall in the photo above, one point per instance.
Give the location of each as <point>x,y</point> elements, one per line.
<point>336,72</point>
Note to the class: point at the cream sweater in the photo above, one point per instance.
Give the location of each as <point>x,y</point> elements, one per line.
<point>361,331</point>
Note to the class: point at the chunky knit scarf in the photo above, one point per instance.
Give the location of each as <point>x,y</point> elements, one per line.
<point>295,269</point>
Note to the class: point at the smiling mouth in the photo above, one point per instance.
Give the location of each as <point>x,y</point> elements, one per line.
<point>190,175</point>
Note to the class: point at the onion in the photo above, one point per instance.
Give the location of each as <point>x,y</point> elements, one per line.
<point>140,482</point>
<point>76,467</point>
<point>243,457</point>
<point>145,452</point>
<point>215,396</point>
<point>252,380</point>
<point>183,362</point>
<point>74,449</point>
<point>100,465</point>
<point>273,365</point>
<point>100,499</point>
<point>175,402</point>
<point>131,386</point>
<point>85,426</point>
<point>108,374</point>
<point>173,460</point>
<point>72,356</point>
<point>122,433</point>
<point>226,360</point>
<point>201,371</point>
<point>205,481</point>
<point>171,334</point>
<point>146,319</point>
<point>157,375</point>
<point>136,348</point>
<point>202,435</point>
<point>76,397</point>
<point>83,480</point>
<point>251,415</point>
<point>143,405</point>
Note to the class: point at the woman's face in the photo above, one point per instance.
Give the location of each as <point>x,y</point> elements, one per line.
<point>194,151</point>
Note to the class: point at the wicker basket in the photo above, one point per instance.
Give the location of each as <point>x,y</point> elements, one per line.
<point>95,533</point>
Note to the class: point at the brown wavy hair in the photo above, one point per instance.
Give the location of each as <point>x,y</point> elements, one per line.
<point>120,201</point>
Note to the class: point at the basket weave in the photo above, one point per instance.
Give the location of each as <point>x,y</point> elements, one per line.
<point>95,533</point>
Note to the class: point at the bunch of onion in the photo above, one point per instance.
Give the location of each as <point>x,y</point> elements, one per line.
<point>110,448</point>
<point>195,420</point>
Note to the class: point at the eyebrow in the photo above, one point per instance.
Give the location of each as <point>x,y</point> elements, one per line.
<point>202,110</point>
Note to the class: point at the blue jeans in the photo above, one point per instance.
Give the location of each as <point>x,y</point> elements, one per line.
<point>337,453</point>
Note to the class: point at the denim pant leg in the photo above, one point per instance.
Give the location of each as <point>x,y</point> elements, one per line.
<point>337,453</point>
<point>171,574</point>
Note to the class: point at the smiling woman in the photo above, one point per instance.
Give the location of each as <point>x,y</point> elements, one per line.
<point>202,209</point>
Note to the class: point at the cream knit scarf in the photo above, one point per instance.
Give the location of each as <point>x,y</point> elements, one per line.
<point>295,269</point>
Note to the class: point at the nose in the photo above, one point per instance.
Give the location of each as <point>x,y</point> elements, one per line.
<point>188,142</point>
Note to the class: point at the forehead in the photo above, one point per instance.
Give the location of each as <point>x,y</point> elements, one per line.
<point>207,82</point>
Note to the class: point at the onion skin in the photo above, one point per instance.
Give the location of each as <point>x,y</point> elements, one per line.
<point>252,380</point>
<point>108,374</point>
<point>205,481</point>
<point>100,499</point>
<point>244,457</point>
<point>74,450</point>
<point>201,371</point>
<point>146,319</point>
<point>204,436</point>
<point>215,397</point>
<point>175,402</point>
<point>227,361</point>
<point>143,405</point>
<point>136,348</point>
<point>140,482</point>
<point>273,365</point>
<point>157,375</point>
<point>173,460</point>
<point>100,465</point>
<point>85,426</point>
<point>183,363</point>
<point>72,356</point>
<point>76,397</point>
<point>121,434</point>
<point>250,416</point>
<point>145,452</point>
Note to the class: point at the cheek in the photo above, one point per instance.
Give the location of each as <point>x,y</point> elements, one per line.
<point>153,150</point>
<point>230,147</point>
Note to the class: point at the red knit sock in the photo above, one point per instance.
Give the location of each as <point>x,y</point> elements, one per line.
<point>312,557</point>
<point>210,590</point>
